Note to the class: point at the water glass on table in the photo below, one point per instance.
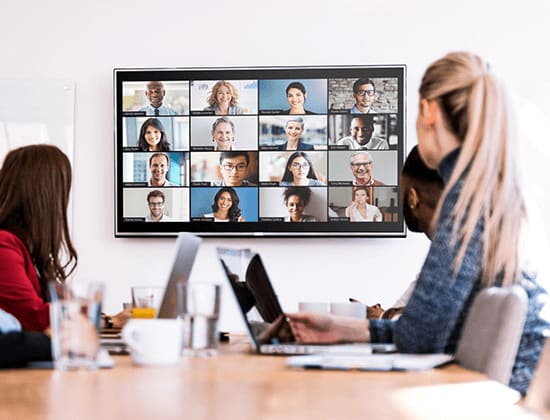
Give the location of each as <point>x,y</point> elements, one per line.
<point>74,321</point>
<point>200,306</point>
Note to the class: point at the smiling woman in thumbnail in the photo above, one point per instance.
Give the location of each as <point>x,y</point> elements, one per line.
<point>296,97</point>
<point>294,129</point>
<point>299,171</point>
<point>296,199</point>
<point>226,206</point>
<point>223,99</point>
<point>360,210</point>
<point>152,136</point>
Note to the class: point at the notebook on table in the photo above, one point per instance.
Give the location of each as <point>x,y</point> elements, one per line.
<point>266,325</point>
<point>187,246</point>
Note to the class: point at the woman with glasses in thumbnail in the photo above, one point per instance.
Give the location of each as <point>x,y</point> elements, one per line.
<point>223,133</point>
<point>360,210</point>
<point>296,97</point>
<point>299,172</point>
<point>226,206</point>
<point>294,129</point>
<point>296,199</point>
<point>152,136</point>
<point>223,99</point>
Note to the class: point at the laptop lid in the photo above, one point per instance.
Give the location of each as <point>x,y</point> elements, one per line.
<point>255,296</point>
<point>187,246</point>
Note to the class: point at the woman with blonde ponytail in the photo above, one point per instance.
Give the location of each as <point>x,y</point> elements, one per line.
<point>466,132</point>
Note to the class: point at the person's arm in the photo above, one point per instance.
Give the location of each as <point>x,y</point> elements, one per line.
<point>19,348</point>
<point>349,211</point>
<point>19,288</point>
<point>438,300</point>
<point>309,327</point>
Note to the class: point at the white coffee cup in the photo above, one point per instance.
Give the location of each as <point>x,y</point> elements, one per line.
<point>352,309</point>
<point>318,307</point>
<point>154,342</point>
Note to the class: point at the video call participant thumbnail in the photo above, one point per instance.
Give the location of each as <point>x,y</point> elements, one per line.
<point>361,131</point>
<point>360,209</point>
<point>293,97</point>
<point>234,170</point>
<point>155,94</point>
<point>294,130</point>
<point>159,165</point>
<point>364,94</point>
<point>361,164</point>
<point>153,136</point>
<point>225,207</point>
<point>155,201</point>
<point>207,203</point>
<point>296,96</point>
<point>223,99</point>
<point>296,199</point>
<point>299,171</point>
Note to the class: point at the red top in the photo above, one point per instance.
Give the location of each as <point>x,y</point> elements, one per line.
<point>19,287</point>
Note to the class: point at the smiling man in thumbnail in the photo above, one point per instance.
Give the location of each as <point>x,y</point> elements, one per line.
<point>159,165</point>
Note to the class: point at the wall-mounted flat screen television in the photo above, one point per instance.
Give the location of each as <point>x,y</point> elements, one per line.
<point>281,151</point>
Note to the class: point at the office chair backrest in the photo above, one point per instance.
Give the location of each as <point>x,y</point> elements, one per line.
<point>492,332</point>
<point>538,394</point>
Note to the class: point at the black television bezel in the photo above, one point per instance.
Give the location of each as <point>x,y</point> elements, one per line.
<point>124,228</point>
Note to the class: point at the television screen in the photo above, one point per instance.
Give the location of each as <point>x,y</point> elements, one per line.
<point>283,151</point>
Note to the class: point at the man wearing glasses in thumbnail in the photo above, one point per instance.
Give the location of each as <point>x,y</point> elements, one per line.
<point>155,201</point>
<point>361,130</point>
<point>361,164</point>
<point>159,164</point>
<point>364,94</point>
<point>234,168</point>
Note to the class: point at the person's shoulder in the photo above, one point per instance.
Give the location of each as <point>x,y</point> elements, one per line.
<point>308,218</point>
<point>344,141</point>
<point>217,182</point>
<point>316,183</point>
<point>7,237</point>
<point>168,111</point>
<point>305,146</point>
<point>285,183</point>
<point>208,215</point>
<point>310,112</point>
<point>247,183</point>
<point>377,182</point>
<point>379,143</point>
<point>236,110</point>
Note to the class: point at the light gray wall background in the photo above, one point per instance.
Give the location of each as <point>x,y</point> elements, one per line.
<point>84,41</point>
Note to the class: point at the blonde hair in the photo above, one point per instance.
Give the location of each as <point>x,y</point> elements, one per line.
<point>476,111</point>
<point>211,99</point>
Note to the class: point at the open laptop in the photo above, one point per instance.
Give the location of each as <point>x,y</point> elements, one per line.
<point>263,316</point>
<point>187,246</point>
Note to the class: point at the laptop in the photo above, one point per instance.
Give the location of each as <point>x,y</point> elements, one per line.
<point>263,316</point>
<point>187,246</point>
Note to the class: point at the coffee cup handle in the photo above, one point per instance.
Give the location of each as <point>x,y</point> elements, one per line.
<point>129,335</point>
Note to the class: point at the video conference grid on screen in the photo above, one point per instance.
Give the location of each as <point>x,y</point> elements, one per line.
<point>260,149</point>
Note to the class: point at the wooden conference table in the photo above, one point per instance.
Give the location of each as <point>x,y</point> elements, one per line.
<point>239,385</point>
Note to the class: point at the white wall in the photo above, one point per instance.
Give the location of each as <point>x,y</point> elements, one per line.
<point>84,41</point>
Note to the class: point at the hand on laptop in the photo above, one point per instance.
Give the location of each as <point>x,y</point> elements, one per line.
<point>309,327</point>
